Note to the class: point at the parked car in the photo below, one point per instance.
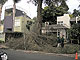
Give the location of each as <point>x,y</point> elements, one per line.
<point>3,56</point>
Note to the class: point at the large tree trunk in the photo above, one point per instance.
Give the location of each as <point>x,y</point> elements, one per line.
<point>0,12</point>
<point>39,17</point>
<point>14,8</point>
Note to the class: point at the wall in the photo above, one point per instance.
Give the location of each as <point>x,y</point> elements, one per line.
<point>8,23</point>
<point>1,28</point>
<point>65,19</point>
<point>20,24</point>
<point>17,24</point>
<point>2,35</point>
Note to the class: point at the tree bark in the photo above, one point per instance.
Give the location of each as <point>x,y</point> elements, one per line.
<point>14,8</point>
<point>39,17</point>
<point>0,12</point>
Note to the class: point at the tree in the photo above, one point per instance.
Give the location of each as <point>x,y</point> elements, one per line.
<point>48,14</point>
<point>71,15</point>
<point>74,32</point>
<point>2,1</point>
<point>64,5</point>
<point>39,16</point>
<point>35,18</point>
<point>14,8</point>
<point>39,11</point>
<point>76,13</point>
<point>51,12</point>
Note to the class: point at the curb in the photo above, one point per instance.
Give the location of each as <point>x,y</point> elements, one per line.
<point>67,55</point>
<point>26,51</point>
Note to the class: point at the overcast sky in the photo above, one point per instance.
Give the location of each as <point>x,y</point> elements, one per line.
<point>73,4</point>
<point>30,9</point>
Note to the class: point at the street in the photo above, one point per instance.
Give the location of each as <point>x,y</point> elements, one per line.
<point>19,55</point>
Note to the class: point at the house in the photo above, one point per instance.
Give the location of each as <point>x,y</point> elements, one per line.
<point>64,20</point>
<point>1,28</point>
<point>63,23</point>
<point>19,24</point>
<point>56,28</point>
<point>17,27</point>
<point>78,19</point>
<point>75,20</point>
<point>2,35</point>
<point>72,21</point>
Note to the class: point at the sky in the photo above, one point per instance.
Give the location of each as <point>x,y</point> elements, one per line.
<point>31,10</point>
<point>73,4</point>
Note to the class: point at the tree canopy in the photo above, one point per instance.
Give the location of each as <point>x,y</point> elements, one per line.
<point>51,12</point>
<point>2,1</point>
<point>50,3</point>
<point>74,32</point>
<point>76,13</point>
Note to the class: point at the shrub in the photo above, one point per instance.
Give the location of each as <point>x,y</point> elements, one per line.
<point>41,43</point>
<point>32,42</point>
<point>68,49</point>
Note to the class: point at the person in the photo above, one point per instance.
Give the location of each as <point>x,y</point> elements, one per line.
<point>58,41</point>
<point>62,41</point>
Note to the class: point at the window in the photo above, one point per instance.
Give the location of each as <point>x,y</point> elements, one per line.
<point>9,29</point>
<point>17,23</point>
<point>60,22</point>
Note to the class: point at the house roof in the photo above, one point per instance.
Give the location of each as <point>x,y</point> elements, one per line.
<point>18,13</point>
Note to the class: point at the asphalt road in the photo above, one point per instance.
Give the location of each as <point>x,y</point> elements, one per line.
<point>19,55</point>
